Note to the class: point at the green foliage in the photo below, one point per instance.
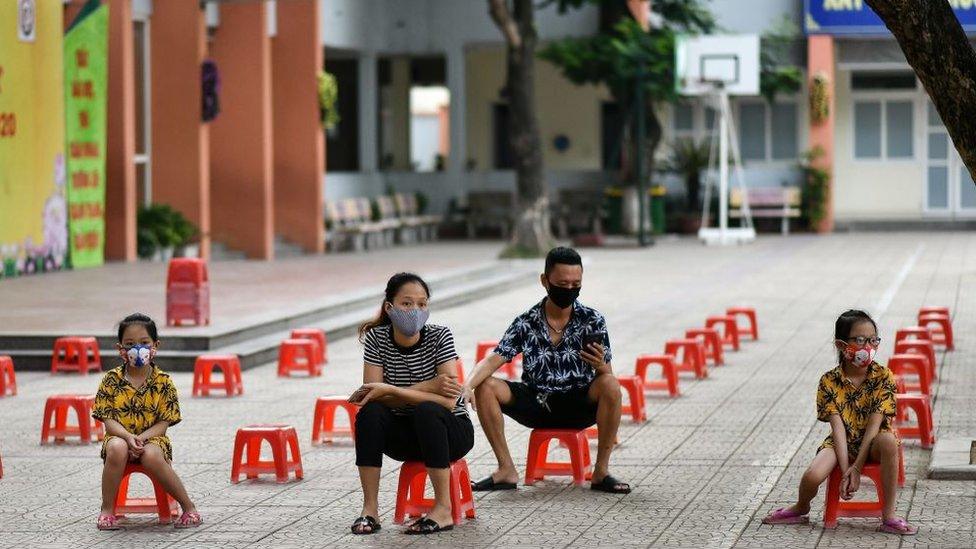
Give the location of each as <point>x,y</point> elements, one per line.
<point>688,159</point>
<point>328,95</point>
<point>422,202</point>
<point>813,194</point>
<point>776,74</point>
<point>159,227</point>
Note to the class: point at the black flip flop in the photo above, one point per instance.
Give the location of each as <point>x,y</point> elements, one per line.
<point>427,526</point>
<point>362,523</point>
<point>610,485</point>
<point>488,484</point>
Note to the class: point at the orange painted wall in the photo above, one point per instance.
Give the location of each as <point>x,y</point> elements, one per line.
<point>120,184</point>
<point>821,59</point>
<point>241,158</point>
<point>299,148</point>
<point>180,140</point>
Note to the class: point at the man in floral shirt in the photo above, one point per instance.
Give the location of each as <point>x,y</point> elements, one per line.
<point>565,384</point>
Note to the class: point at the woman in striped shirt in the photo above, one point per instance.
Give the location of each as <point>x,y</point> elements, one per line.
<point>411,409</point>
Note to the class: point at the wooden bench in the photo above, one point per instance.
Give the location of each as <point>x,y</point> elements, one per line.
<point>409,210</point>
<point>578,211</point>
<point>349,221</point>
<point>768,202</point>
<point>492,209</point>
<point>397,230</point>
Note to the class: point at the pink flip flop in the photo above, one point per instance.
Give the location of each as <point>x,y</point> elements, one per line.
<point>784,515</point>
<point>106,521</point>
<point>898,526</point>
<point>188,520</point>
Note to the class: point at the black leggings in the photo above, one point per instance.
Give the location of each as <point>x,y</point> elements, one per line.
<point>432,434</point>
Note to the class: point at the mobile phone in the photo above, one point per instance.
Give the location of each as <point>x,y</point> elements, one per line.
<point>593,338</point>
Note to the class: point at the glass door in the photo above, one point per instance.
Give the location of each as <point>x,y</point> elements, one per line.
<point>949,187</point>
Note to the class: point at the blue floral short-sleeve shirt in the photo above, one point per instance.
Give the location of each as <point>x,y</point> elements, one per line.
<point>552,368</point>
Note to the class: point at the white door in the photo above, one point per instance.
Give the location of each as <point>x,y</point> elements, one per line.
<point>949,188</point>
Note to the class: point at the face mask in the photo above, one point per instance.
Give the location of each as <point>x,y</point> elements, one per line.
<point>139,355</point>
<point>562,297</point>
<point>408,322</point>
<point>860,356</point>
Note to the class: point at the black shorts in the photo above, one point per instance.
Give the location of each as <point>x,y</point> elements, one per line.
<point>569,410</point>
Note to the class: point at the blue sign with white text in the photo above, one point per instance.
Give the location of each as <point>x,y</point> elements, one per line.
<point>855,17</point>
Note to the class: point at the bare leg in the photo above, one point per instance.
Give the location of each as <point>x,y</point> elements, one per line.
<point>369,478</point>
<point>813,477</point>
<point>441,479</point>
<point>156,465</point>
<point>605,390</point>
<point>884,449</point>
<point>116,456</point>
<point>490,396</point>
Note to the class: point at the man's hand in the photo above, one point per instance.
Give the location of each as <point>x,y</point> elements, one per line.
<point>593,355</point>
<point>446,386</point>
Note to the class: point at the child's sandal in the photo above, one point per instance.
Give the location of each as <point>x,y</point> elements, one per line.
<point>785,515</point>
<point>106,521</point>
<point>898,526</point>
<point>188,520</point>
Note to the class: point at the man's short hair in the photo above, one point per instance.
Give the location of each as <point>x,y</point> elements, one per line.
<point>562,256</point>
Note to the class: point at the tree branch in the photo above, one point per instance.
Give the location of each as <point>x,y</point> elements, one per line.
<point>503,19</point>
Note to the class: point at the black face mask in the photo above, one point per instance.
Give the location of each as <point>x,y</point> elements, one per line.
<point>562,297</point>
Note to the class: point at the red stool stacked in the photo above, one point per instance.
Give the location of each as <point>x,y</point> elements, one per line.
<point>187,292</point>
<point>162,503</point>
<point>837,508</point>
<point>323,423</point>
<point>231,384</point>
<point>298,355</point>
<point>912,364</point>
<point>730,330</point>
<point>280,437</point>
<point>753,329</point>
<point>669,373</point>
<point>923,430</point>
<point>538,464</point>
<point>413,481</point>
<point>920,347</point>
<point>8,380</point>
<point>317,335</point>
<point>940,325</point>
<point>56,419</point>
<point>509,368</point>
<point>692,353</point>
<point>76,354</point>
<point>912,333</point>
<point>712,341</point>
<point>636,406</point>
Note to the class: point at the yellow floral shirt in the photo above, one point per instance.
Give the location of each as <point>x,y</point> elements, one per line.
<point>838,395</point>
<point>138,409</point>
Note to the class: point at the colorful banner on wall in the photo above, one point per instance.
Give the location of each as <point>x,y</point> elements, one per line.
<point>855,17</point>
<point>85,93</point>
<point>33,217</point>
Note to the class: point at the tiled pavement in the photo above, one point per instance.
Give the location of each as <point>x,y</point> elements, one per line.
<point>706,467</point>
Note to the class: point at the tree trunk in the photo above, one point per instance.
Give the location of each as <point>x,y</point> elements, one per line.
<point>532,234</point>
<point>937,49</point>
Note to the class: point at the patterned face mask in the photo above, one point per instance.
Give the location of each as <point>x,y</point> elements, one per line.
<point>408,322</point>
<point>138,355</point>
<point>860,356</point>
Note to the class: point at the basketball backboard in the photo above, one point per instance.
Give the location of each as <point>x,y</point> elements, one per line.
<point>704,64</point>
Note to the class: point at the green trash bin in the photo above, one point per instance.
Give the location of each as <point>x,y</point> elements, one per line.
<point>614,206</point>
<point>657,193</point>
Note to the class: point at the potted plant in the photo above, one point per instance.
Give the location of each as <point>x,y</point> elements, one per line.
<point>688,160</point>
<point>164,232</point>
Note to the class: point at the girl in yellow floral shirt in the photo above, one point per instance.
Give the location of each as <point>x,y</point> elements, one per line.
<point>857,398</point>
<point>137,402</point>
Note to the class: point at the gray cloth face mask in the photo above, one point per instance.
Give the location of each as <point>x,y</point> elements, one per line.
<point>408,322</point>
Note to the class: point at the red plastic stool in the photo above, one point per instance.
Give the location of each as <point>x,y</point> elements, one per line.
<point>669,373</point>
<point>279,436</point>
<point>323,423</point>
<point>75,354</point>
<point>922,406</point>
<point>509,368</point>
<point>934,310</point>
<point>300,355</point>
<point>56,419</point>
<point>838,508</point>
<point>161,503</point>
<point>317,335</point>
<point>912,364</point>
<point>920,347</point>
<point>730,330</point>
<point>712,341</point>
<point>1,468</point>
<point>537,463</point>
<point>8,380</point>
<point>636,407</point>
<point>912,332</point>
<point>187,291</point>
<point>753,330</point>
<point>692,353</point>
<point>231,384</point>
<point>941,328</point>
<point>413,481</point>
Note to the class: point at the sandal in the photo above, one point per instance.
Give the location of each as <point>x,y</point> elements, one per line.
<point>898,526</point>
<point>106,521</point>
<point>188,520</point>
<point>785,515</point>
<point>488,484</point>
<point>610,485</point>
<point>427,526</point>
<point>362,523</point>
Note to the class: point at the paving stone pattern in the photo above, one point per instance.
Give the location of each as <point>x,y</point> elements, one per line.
<point>705,467</point>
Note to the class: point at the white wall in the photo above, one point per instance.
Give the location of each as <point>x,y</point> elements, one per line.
<point>755,16</point>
